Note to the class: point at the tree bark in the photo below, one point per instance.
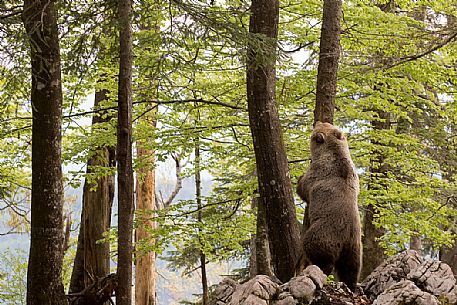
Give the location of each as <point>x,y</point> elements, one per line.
<point>44,274</point>
<point>329,55</point>
<point>253,246</point>
<point>263,257</point>
<point>145,275</point>
<point>272,169</point>
<point>449,164</point>
<point>124,156</point>
<point>92,258</point>
<point>373,253</point>
<point>415,243</point>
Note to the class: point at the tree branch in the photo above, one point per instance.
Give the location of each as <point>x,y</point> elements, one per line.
<point>409,58</point>
<point>178,184</point>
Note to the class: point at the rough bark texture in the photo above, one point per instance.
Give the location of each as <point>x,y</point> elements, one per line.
<point>44,282</point>
<point>145,273</point>
<point>262,249</point>
<point>272,169</point>
<point>92,258</point>
<point>77,274</point>
<point>329,55</point>
<point>97,211</point>
<point>252,245</point>
<point>373,253</point>
<point>124,156</point>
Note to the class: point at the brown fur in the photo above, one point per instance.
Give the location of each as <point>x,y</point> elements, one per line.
<point>330,187</point>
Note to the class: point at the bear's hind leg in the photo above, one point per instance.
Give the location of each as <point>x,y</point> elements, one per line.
<point>348,267</point>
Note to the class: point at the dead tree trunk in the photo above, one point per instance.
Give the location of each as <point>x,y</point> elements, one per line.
<point>124,156</point>
<point>275,188</point>
<point>92,257</point>
<point>44,274</point>
<point>145,273</point>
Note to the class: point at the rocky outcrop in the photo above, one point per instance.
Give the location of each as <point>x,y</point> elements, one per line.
<point>301,289</point>
<point>403,279</point>
<point>309,287</point>
<point>412,280</point>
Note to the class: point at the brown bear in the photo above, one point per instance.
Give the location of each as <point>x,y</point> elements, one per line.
<point>330,187</point>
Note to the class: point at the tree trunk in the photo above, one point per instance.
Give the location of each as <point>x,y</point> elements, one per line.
<point>253,246</point>
<point>92,258</point>
<point>260,259</point>
<point>449,254</point>
<point>329,55</point>
<point>263,257</point>
<point>145,275</point>
<point>124,156</point>
<point>415,243</point>
<point>272,169</point>
<point>44,274</point>
<point>373,253</point>
<point>198,196</point>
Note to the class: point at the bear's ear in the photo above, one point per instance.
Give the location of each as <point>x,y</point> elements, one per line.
<point>319,137</point>
<point>338,134</point>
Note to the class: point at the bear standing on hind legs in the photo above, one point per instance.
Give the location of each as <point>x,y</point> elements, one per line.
<point>330,188</point>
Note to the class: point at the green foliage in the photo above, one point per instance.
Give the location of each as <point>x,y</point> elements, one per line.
<point>13,272</point>
<point>190,83</point>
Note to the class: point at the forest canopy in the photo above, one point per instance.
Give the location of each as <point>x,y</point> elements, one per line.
<point>196,186</point>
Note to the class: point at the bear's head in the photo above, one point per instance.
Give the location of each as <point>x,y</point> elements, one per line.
<point>326,138</point>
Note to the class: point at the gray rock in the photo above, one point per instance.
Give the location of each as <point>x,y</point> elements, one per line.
<point>316,275</point>
<point>436,278</point>
<point>257,291</point>
<point>391,271</point>
<point>287,300</point>
<point>223,292</point>
<point>405,292</point>
<point>303,287</point>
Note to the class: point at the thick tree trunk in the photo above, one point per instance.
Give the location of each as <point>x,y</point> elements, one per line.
<point>145,274</point>
<point>373,253</point>
<point>124,156</point>
<point>272,169</point>
<point>92,258</point>
<point>329,55</point>
<point>97,213</point>
<point>44,274</point>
